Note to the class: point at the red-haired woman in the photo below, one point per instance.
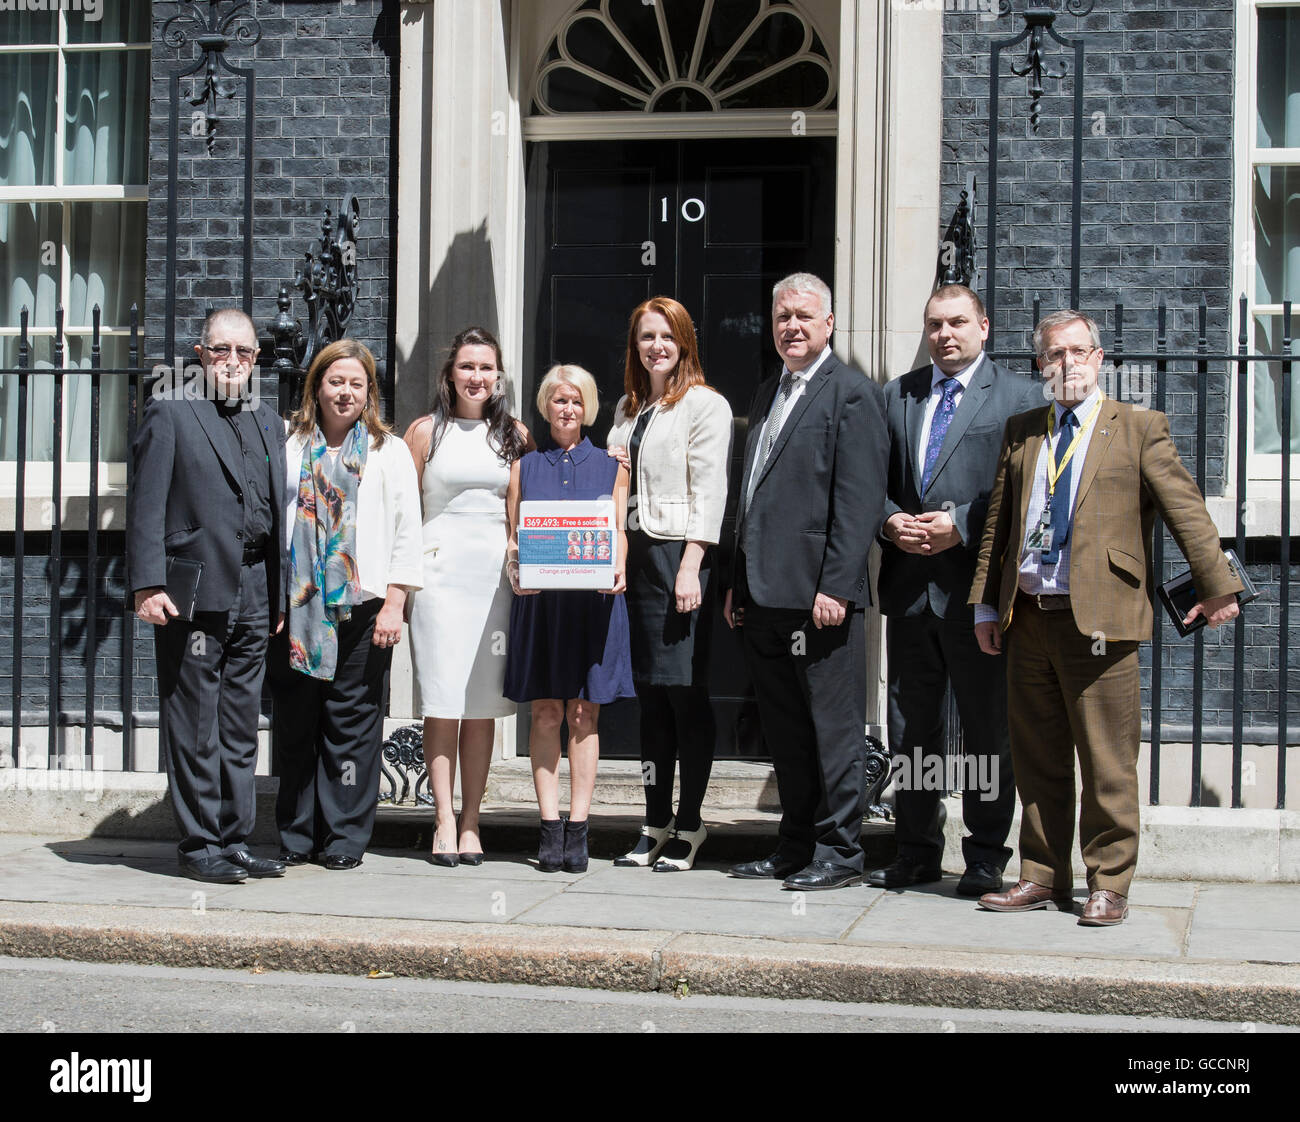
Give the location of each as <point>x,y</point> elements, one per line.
<point>674,433</point>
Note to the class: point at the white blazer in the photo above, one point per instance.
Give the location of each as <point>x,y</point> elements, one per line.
<point>390,541</point>
<point>681,468</point>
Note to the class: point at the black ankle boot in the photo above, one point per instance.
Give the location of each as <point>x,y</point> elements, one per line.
<point>575,846</point>
<point>550,850</point>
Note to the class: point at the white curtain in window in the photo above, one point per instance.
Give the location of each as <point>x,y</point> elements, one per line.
<point>106,128</point>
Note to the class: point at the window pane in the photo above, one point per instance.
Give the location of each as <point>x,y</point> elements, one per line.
<point>120,21</point>
<point>30,234</point>
<point>112,402</point>
<point>1277,100</point>
<point>1277,234</point>
<point>23,27</point>
<point>27,86</point>
<point>1268,387</point>
<point>106,120</point>
<point>107,251</point>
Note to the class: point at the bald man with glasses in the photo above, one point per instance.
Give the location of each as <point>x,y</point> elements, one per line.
<point>209,487</point>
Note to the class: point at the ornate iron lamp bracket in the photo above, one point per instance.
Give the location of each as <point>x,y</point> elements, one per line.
<point>214,34</point>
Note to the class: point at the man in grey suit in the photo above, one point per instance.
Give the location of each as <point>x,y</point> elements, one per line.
<point>945,430</point>
<point>209,487</point>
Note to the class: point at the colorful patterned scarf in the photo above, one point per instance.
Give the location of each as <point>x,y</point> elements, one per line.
<point>325,584</point>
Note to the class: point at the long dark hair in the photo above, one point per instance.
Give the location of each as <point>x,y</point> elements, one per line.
<point>504,436</point>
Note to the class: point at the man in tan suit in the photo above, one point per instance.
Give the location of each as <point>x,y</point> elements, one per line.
<point>1063,579</point>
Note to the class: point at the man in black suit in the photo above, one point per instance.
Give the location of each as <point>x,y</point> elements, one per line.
<point>811,501</point>
<point>945,431</point>
<point>209,487</point>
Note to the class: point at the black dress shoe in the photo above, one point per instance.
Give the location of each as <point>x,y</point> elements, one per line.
<point>446,860</point>
<point>339,861</point>
<point>775,867</point>
<point>903,872</point>
<point>293,857</point>
<point>256,866</point>
<point>214,870</point>
<point>980,877</point>
<point>820,875</point>
<point>470,858</point>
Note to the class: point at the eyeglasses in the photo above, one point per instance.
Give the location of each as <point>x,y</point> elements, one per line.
<point>222,350</point>
<point>1077,354</point>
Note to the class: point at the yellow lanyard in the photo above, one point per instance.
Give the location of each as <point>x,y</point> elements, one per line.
<point>1054,470</point>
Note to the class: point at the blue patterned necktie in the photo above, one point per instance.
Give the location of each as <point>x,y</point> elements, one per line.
<point>939,429</point>
<point>1061,493</point>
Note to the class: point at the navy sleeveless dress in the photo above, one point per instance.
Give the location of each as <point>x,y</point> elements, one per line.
<point>568,644</point>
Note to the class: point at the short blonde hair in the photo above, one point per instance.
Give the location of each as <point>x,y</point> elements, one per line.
<point>570,375</point>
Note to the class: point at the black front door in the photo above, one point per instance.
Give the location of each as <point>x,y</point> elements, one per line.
<point>714,224</point>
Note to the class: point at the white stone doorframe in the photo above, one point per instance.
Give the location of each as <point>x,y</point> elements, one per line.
<point>460,204</point>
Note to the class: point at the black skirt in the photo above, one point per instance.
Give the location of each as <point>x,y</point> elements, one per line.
<point>669,648</point>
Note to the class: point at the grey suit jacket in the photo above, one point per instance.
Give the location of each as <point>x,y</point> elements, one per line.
<point>910,584</point>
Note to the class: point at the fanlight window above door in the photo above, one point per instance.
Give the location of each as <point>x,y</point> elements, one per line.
<point>684,56</point>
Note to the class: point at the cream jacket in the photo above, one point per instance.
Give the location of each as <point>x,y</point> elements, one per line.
<point>390,541</point>
<point>681,469</point>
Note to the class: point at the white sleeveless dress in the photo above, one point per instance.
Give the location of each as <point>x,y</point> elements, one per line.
<point>460,618</point>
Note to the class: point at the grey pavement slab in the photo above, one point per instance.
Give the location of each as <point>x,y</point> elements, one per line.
<point>16,843</point>
<point>704,883</point>
<point>376,894</point>
<point>1244,945</point>
<point>406,862</point>
<point>940,918</point>
<point>39,874</point>
<point>798,916</point>
<point>1273,907</point>
<point>1159,893</point>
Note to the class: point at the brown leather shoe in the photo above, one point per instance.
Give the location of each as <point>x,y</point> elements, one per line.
<point>1025,897</point>
<point>1104,909</point>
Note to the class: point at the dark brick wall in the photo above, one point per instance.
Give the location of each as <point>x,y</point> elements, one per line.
<point>324,128</point>
<point>1157,164</point>
<point>1155,226</point>
<point>1156,219</point>
<point>74,606</point>
<point>38,570</point>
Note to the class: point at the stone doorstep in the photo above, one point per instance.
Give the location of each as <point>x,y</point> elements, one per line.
<point>1177,843</point>
<point>650,961</point>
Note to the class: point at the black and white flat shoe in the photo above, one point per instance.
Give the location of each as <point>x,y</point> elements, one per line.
<point>679,854</point>
<point>643,854</point>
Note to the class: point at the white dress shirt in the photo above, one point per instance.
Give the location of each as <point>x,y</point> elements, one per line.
<point>937,379</point>
<point>1036,578</point>
<point>801,380</point>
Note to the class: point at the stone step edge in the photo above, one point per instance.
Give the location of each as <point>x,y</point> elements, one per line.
<point>656,961</point>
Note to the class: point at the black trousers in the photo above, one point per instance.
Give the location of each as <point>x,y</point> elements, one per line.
<point>209,696</point>
<point>811,687</point>
<point>328,738</point>
<point>925,654</point>
<point>678,732</point>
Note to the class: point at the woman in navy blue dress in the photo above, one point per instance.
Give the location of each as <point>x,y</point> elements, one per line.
<point>570,651</point>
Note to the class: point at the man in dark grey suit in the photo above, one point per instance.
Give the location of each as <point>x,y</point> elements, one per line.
<point>813,489</point>
<point>209,487</point>
<point>945,430</point>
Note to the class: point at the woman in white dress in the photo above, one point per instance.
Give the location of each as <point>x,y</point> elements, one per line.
<point>463,451</point>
